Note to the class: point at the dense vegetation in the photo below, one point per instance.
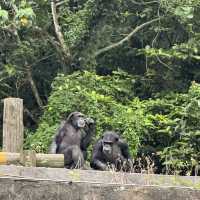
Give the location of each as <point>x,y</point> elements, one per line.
<point>106,99</point>
<point>132,65</point>
<point>164,130</point>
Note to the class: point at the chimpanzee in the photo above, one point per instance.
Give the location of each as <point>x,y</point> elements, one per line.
<point>111,152</point>
<point>72,139</point>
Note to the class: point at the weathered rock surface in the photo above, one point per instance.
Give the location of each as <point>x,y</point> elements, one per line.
<point>28,183</point>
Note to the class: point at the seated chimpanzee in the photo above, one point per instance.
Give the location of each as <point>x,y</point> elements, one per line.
<point>111,152</point>
<point>72,139</point>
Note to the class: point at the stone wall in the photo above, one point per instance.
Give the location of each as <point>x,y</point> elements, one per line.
<point>24,183</point>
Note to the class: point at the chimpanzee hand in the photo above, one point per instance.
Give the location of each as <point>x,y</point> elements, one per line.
<point>128,165</point>
<point>119,163</point>
<point>89,121</point>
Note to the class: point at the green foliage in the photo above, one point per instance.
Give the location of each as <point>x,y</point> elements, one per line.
<point>3,16</point>
<point>183,155</point>
<point>172,131</point>
<point>185,12</point>
<point>183,51</point>
<point>76,26</point>
<point>25,16</point>
<point>167,127</point>
<point>103,98</point>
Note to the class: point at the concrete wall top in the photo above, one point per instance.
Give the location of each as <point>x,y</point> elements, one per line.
<point>94,176</point>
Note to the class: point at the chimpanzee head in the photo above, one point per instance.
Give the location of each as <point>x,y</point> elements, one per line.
<point>77,119</point>
<point>109,139</point>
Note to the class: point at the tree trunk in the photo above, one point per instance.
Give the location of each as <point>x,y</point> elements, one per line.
<point>34,88</point>
<point>66,57</point>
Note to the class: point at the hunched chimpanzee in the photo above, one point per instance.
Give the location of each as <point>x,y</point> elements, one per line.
<point>72,139</point>
<point>111,152</point>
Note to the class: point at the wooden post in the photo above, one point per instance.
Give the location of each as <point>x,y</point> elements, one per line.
<point>7,158</point>
<point>28,158</point>
<point>49,160</point>
<point>13,129</point>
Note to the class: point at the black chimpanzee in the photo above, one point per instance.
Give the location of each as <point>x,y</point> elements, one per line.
<point>72,139</point>
<point>111,152</point>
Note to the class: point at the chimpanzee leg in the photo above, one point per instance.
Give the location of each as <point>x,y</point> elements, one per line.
<point>77,157</point>
<point>84,152</point>
<point>68,157</point>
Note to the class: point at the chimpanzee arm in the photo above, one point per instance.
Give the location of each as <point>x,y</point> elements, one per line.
<point>57,139</point>
<point>124,149</point>
<point>89,132</point>
<point>128,163</point>
<point>96,162</point>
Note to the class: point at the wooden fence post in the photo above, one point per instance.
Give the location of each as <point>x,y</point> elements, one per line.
<point>13,128</point>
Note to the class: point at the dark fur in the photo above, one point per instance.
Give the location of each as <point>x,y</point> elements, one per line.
<point>111,152</point>
<point>72,139</point>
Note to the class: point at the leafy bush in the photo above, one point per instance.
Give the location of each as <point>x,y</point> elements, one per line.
<point>182,156</point>
<point>165,129</point>
<point>105,99</point>
<point>172,132</point>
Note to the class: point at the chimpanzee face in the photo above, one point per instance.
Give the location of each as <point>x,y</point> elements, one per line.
<point>77,119</point>
<point>109,139</point>
<point>107,147</point>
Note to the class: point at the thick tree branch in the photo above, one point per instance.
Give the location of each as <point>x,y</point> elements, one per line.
<point>30,115</point>
<point>59,3</point>
<point>33,87</point>
<point>66,58</point>
<point>144,3</point>
<point>128,37</point>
